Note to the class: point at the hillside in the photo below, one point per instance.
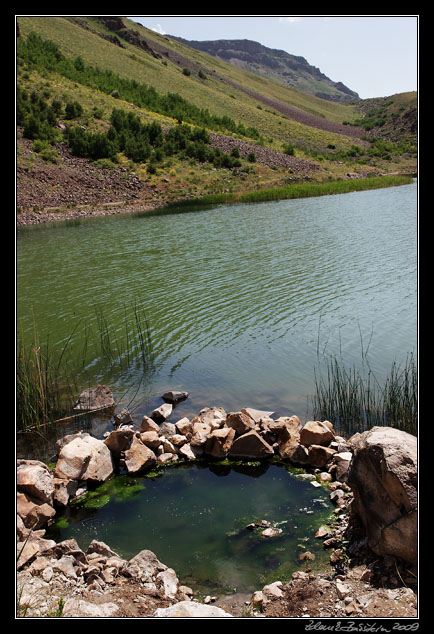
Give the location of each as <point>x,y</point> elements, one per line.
<point>291,70</point>
<point>192,123</point>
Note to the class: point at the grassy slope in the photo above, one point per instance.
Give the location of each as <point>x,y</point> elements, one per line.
<point>218,92</point>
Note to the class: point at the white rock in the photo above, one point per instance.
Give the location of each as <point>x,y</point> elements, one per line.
<point>191,609</point>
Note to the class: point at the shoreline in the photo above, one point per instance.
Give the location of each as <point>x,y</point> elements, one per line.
<point>50,215</point>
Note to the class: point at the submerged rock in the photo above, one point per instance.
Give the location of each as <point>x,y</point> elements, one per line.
<point>95,398</point>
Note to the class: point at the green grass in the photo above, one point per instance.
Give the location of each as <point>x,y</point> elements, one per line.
<point>300,190</point>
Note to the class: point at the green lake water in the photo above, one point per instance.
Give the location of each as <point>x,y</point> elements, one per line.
<point>242,301</point>
<point>194,519</point>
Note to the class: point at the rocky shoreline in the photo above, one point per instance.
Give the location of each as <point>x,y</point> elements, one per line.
<point>371,479</point>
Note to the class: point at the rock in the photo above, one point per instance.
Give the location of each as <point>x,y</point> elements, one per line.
<point>173,396</point>
<point>240,421</point>
<point>191,609</point>
<point>119,441</point>
<point>149,425</point>
<point>321,532</point>
<point>100,548</point>
<point>219,442</point>
<point>184,427</point>
<point>342,460</point>
<point>337,497</point>
<point>251,447</point>
<point>272,591</point>
<point>200,434</point>
<point>383,477</point>
<point>255,414</point>
<point>316,433</point>
<point>164,458</point>
<point>177,440</point>
<point>271,532</point>
<point>84,458</point>
<point>33,513</point>
<point>300,456</point>
<point>342,590</point>
<point>151,439</point>
<point>168,583</point>
<point>319,455</point>
<point>187,451</point>
<point>84,609</point>
<point>36,480</point>
<point>211,415</point>
<point>31,548</point>
<point>257,599</point>
<point>167,429</point>
<point>144,566</point>
<point>95,398</point>
<point>65,565</point>
<point>64,491</point>
<point>160,414</point>
<point>123,418</point>
<point>139,457</point>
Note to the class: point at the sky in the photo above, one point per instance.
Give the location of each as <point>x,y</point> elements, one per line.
<point>376,56</point>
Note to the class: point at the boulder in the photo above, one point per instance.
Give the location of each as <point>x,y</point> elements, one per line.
<point>84,458</point>
<point>151,439</point>
<point>119,441</point>
<point>241,422</point>
<point>160,414</point>
<point>219,442</point>
<point>173,396</point>
<point>33,513</point>
<point>256,414</point>
<point>167,429</point>
<point>34,478</point>
<point>64,490</point>
<point>189,452</point>
<point>251,447</point>
<point>123,418</point>
<point>144,566</point>
<point>95,398</point>
<point>383,478</point>
<point>139,457</point>
<point>340,465</point>
<point>316,433</point>
<point>191,609</point>
<point>149,425</point>
<point>184,427</point>
<point>200,434</point>
<point>319,455</point>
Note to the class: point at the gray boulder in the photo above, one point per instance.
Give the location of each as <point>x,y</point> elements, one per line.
<point>383,478</point>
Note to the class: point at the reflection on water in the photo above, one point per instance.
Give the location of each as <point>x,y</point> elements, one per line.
<point>240,299</point>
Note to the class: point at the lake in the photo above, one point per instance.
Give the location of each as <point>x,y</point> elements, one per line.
<point>242,301</point>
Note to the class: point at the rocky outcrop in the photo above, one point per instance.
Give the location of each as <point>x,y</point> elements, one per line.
<point>383,477</point>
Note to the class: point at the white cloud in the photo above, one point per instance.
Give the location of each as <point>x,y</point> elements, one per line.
<point>159,29</point>
<point>291,19</point>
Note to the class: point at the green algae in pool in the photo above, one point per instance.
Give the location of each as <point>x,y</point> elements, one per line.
<point>194,517</point>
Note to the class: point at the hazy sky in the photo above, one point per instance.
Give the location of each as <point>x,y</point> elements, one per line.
<point>376,56</point>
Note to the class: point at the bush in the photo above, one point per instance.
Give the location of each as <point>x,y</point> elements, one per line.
<point>251,157</point>
<point>73,109</point>
<point>186,71</point>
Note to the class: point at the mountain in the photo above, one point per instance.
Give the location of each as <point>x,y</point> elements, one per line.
<point>291,70</point>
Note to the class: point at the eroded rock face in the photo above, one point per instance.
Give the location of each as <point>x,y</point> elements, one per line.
<point>383,477</point>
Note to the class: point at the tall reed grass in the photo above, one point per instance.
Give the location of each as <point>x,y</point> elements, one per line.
<point>48,377</point>
<point>354,400</point>
<point>296,190</point>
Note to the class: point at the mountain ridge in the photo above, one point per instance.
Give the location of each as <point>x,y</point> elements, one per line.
<point>291,70</point>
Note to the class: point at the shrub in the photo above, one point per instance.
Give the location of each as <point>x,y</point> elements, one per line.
<point>251,157</point>
<point>73,109</point>
<point>186,72</point>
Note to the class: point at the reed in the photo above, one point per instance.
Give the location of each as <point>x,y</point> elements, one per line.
<point>296,190</point>
<point>354,400</point>
<point>47,384</point>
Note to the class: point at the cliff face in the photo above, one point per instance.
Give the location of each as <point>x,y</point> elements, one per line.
<point>288,69</point>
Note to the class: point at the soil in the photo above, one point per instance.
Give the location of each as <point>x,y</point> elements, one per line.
<point>76,188</point>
